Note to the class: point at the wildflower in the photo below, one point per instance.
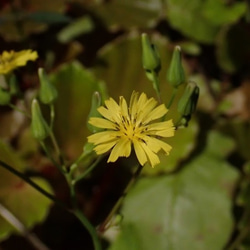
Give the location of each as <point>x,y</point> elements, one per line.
<point>126,126</point>
<point>12,60</point>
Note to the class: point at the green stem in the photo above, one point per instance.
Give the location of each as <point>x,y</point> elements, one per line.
<point>118,204</point>
<point>79,214</point>
<point>32,183</point>
<point>58,152</point>
<point>52,115</point>
<point>83,175</point>
<point>51,158</point>
<point>172,98</point>
<point>92,231</point>
<point>156,85</point>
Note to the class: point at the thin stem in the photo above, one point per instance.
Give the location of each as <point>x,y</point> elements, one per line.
<point>79,214</point>
<point>172,98</point>
<point>118,204</point>
<point>92,231</point>
<point>52,115</point>
<point>51,158</point>
<point>8,216</point>
<point>80,177</point>
<point>32,183</point>
<point>19,110</point>
<point>57,149</point>
<point>156,85</point>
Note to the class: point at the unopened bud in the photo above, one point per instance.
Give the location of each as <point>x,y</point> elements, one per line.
<point>39,126</point>
<point>4,97</point>
<point>95,104</point>
<point>47,92</point>
<point>150,57</point>
<point>188,101</point>
<point>175,73</point>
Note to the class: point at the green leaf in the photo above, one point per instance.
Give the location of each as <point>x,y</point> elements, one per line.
<point>188,18</point>
<point>26,204</point>
<point>127,238</point>
<point>8,156</point>
<point>130,13</point>
<point>76,86</point>
<point>220,13</point>
<point>120,66</point>
<point>76,28</point>
<point>188,210</point>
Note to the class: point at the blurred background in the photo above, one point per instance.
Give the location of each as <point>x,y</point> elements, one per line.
<point>198,197</point>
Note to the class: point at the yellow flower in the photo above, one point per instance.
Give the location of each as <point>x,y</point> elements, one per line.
<point>11,60</point>
<point>126,126</point>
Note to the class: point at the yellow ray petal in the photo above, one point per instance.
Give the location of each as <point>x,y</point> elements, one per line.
<point>121,149</point>
<point>102,123</point>
<point>152,157</point>
<point>105,147</point>
<point>156,113</point>
<point>102,137</point>
<point>156,145</point>
<point>140,153</point>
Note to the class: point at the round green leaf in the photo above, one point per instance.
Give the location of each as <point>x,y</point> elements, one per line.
<point>188,210</point>
<point>75,86</point>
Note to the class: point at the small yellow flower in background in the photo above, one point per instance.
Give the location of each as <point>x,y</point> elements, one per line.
<point>12,60</point>
<point>126,126</point>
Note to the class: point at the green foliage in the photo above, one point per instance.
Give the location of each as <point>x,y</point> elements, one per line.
<point>201,20</point>
<point>76,86</point>
<point>23,201</point>
<point>198,196</point>
<point>179,211</point>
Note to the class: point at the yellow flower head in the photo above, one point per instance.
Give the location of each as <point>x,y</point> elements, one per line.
<point>126,126</point>
<point>12,60</point>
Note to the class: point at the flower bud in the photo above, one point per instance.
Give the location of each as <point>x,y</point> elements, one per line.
<point>47,92</point>
<point>39,126</point>
<point>95,104</point>
<point>4,97</point>
<point>175,73</point>
<point>188,101</point>
<point>150,57</point>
